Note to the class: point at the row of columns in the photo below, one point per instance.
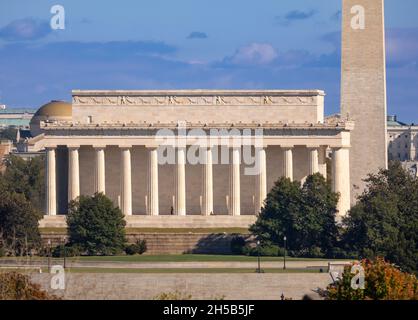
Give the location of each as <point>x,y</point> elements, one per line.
<point>316,164</point>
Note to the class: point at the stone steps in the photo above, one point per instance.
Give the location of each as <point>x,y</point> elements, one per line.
<point>169,243</point>
<point>178,243</point>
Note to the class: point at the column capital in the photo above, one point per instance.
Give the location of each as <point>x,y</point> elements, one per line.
<point>99,146</point>
<point>125,146</point>
<point>73,146</point>
<point>287,147</point>
<point>50,147</point>
<point>313,147</point>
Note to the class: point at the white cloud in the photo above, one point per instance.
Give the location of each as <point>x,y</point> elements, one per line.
<point>254,53</point>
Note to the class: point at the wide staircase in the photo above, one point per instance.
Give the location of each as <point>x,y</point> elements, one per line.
<point>169,243</point>
<point>178,243</point>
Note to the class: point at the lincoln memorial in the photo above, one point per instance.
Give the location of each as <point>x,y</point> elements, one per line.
<point>114,141</point>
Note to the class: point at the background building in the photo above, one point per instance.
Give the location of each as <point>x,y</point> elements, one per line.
<point>403,143</point>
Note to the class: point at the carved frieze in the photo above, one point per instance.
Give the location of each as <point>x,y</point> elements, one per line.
<point>190,100</point>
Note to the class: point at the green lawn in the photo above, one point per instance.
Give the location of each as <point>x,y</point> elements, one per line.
<point>172,258</point>
<point>188,258</point>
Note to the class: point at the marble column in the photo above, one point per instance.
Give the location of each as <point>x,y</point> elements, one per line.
<point>322,159</point>
<point>126,181</point>
<point>288,162</point>
<point>152,207</point>
<point>261,180</point>
<point>180,199</point>
<point>51,188</point>
<point>207,198</point>
<point>313,160</point>
<point>235,190</point>
<point>99,173</point>
<point>73,173</point>
<point>341,179</point>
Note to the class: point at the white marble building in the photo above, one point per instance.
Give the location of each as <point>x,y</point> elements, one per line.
<point>110,142</point>
<point>402,140</point>
<point>403,144</point>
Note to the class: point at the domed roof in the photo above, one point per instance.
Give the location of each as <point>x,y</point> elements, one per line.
<point>55,109</point>
<point>52,111</point>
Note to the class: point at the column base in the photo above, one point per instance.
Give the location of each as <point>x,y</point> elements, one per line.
<point>169,222</point>
<point>189,221</point>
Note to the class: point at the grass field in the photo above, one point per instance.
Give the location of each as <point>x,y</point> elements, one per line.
<point>173,258</point>
<point>188,258</point>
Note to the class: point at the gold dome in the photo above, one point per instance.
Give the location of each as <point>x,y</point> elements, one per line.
<point>52,111</point>
<point>55,109</point>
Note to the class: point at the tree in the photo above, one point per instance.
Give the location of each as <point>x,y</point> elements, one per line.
<point>96,226</point>
<point>26,177</point>
<point>382,281</point>
<point>305,215</point>
<point>9,133</point>
<point>319,209</point>
<point>384,222</point>
<point>18,222</point>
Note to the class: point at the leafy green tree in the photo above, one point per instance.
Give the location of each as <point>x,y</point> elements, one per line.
<point>9,133</point>
<point>384,222</point>
<point>96,226</point>
<point>26,177</point>
<point>18,222</point>
<point>319,209</point>
<point>305,215</point>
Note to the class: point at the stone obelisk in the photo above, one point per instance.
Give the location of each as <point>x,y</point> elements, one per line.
<point>363,87</point>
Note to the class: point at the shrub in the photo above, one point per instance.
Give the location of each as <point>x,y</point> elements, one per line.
<point>314,252</point>
<point>16,286</point>
<point>67,251</point>
<point>237,245</point>
<point>142,246</point>
<point>175,295</point>
<point>139,247</point>
<point>131,249</point>
<point>383,281</point>
<point>267,250</point>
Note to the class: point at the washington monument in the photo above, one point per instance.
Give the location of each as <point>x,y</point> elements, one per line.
<point>363,87</point>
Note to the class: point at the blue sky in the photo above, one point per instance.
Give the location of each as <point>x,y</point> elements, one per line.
<point>229,44</point>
